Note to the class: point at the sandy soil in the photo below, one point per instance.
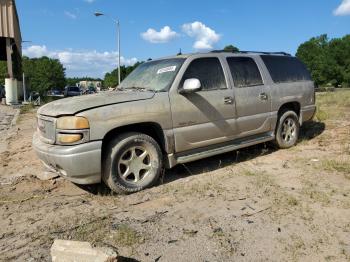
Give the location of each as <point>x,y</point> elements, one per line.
<point>256,204</point>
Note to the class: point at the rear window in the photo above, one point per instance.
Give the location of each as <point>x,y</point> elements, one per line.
<point>244,71</point>
<point>286,69</point>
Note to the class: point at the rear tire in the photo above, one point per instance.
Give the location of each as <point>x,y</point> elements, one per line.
<point>132,162</point>
<point>287,130</point>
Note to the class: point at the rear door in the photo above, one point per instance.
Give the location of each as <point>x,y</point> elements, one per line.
<point>252,97</point>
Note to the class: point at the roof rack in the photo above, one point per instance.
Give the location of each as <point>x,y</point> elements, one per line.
<point>252,52</point>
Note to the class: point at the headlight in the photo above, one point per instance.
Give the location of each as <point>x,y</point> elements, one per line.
<point>72,123</point>
<point>72,130</point>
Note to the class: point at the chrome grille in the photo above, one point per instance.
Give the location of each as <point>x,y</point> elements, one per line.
<point>46,128</point>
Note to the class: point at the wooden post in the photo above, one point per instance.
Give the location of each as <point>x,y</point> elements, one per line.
<point>9,57</point>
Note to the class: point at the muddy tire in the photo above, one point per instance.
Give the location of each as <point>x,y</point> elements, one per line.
<point>132,162</point>
<point>287,130</point>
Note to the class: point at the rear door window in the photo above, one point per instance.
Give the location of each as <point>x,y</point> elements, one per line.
<point>208,71</point>
<point>244,71</point>
<point>286,69</point>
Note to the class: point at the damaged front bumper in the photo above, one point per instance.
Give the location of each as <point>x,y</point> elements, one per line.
<point>80,164</point>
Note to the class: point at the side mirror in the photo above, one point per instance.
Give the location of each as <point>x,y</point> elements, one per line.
<point>191,85</point>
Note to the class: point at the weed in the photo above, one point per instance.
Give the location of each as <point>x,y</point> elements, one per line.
<point>311,191</point>
<point>297,246</point>
<point>341,98</point>
<point>318,196</point>
<point>292,201</point>
<point>247,172</point>
<point>341,166</point>
<point>26,108</point>
<point>199,189</point>
<point>127,236</point>
<point>263,181</point>
<point>93,232</point>
<point>321,115</point>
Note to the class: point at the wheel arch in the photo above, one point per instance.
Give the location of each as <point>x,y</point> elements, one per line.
<point>151,129</point>
<point>293,106</point>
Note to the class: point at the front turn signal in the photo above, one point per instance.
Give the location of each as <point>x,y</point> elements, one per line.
<point>68,138</point>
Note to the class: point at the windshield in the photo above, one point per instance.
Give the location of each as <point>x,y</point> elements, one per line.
<point>155,75</point>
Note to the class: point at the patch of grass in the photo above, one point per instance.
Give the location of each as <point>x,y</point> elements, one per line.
<point>93,232</point>
<point>193,188</point>
<point>285,200</point>
<point>218,232</point>
<point>292,201</point>
<point>263,180</point>
<point>297,246</point>
<point>347,149</point>
<point>321,115</point>
<point>318,196</point>
<point>340,98</point>
<point>342,166</point>
<point>127,236</point>
<point>332,105</point>
<point>247,172</point>
<point>311,190</point>
<point>97,231</point>
<point>26,108</point>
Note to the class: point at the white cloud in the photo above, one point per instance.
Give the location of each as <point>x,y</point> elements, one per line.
<point>163,36</point>
<point>89,1</point>
<point>36,51</point>
<point>343,9</point>
<point>81,63</point>
<point>70,15</point>
<point>205,36</point>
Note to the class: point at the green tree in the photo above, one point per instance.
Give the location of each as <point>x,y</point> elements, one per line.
<point>327,60</point>
<point>3,72</point>
<point>111,79</point>
<point>231,48</point>
<point>44,73</point>
<point>339,55</point>
<point>314,54</point>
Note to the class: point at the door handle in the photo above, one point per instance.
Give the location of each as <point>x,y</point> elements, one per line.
<point>263,96</point>
<point>228,100</point>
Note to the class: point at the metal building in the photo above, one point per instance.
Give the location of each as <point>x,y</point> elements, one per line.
<point>10,38</point>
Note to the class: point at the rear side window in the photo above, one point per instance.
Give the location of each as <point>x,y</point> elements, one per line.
<point>244,71</point>
<point>208,71</point>
<point>286,69</point>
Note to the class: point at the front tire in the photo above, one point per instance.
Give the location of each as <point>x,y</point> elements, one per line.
<point>132,162</point>
<point>287,131</point>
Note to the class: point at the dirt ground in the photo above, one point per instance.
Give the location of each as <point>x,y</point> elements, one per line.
<point>256,204</point>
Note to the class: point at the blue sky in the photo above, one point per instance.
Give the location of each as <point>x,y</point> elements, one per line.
<point>86,45</point>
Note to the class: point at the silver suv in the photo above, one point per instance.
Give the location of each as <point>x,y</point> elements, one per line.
<point>175,110</point>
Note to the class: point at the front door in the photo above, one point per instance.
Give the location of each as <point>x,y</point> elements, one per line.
<point>205,117</point>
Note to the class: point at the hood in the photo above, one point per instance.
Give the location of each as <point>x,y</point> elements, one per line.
<point>73,105</point>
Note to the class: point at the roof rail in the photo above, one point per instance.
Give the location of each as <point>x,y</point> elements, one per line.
<point>252,52</point>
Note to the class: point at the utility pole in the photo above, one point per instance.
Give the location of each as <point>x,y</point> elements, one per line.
<point>97,14</point>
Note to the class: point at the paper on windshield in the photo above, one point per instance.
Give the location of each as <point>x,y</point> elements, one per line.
<point>166,69</point>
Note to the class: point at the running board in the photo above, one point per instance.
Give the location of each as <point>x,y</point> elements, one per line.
<point>224,149</point>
